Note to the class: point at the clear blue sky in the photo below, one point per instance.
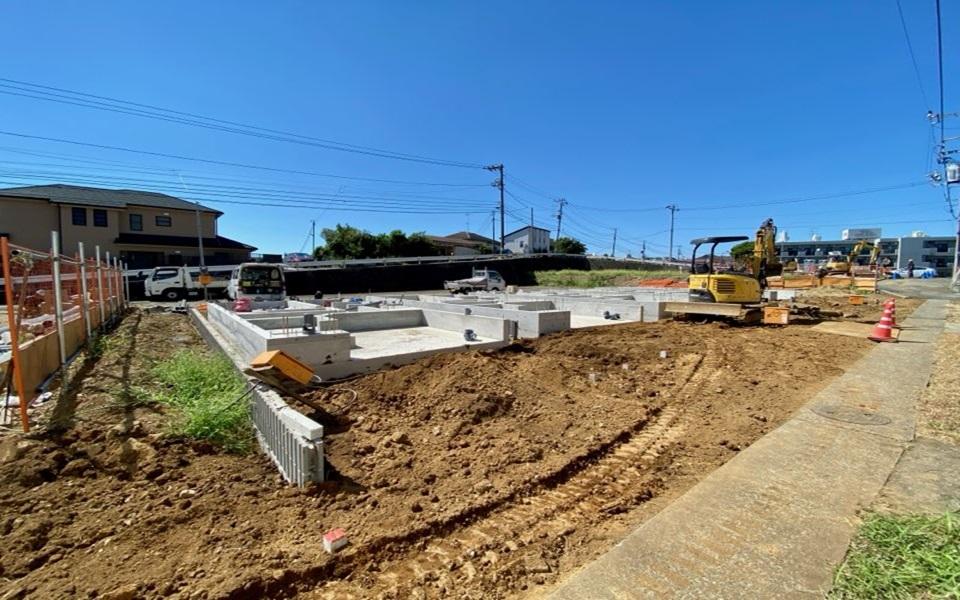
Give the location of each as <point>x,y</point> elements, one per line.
<point>613,105</point>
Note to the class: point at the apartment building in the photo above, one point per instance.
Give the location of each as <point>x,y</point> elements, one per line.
<point>143,229</point>
<point>935,252</point>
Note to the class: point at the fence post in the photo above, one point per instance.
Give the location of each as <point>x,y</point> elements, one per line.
<point>126,282</point>
<point>109,286</point>
<point>58,299</point>
<point>14,323</point>
<point>118,279</point>
<point>100,286</point>
<point>84,303</point>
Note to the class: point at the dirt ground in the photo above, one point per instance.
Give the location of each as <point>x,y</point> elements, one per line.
<point>476,475</point>
<point>939,410</point>
<point>835,300</point>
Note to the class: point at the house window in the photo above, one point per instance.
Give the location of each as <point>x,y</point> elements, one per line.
<point>136,222</point>
<point>79,216</point>
<point>99,217</point>
<point>163,221</point>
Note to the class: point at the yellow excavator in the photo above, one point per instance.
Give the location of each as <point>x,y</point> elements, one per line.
<point>838,264</point>
<point>735,291</point>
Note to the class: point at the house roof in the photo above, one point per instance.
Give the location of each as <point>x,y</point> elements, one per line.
<point>469,235</point>
<point>146,239</point>
<point>463,238</point>
<point>524,229</point>
<point>59,193</point>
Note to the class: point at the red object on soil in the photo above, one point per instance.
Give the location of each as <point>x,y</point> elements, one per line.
<point>334,539</point>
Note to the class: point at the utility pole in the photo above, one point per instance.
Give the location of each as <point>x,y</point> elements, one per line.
<point>673,210</point>
<point>499,184</point>
<point>561,202</point>
<point>313,237</point>
<point>613,251</point>
<point>203,264</point>
<point>531,217</point>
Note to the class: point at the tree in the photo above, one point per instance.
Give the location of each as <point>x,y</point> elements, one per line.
<point>345,241</point>
<point>568,245</point>
<point>742,252</point>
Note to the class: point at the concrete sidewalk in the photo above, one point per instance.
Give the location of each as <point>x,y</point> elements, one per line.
<point>774,521</point>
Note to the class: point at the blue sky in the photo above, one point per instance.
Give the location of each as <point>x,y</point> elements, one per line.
<point>619,107</point>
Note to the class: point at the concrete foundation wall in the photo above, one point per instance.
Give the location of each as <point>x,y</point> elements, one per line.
<point>487,327</point>
<point>249,340</point>
<point>375,320</point>
<point>321,348</point>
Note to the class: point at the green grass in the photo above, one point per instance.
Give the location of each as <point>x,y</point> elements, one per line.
<point>203,390</point>
<point>600,277</point>
<point>902,556</point>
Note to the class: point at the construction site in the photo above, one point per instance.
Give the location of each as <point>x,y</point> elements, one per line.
<point>478,444</point>
<point>479,301</point>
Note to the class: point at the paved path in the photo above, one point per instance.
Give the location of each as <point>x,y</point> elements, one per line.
<point>775,520</point>
<point>931,289</point>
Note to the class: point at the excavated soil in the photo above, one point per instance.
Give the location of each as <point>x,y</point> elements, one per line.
<point>475,475</point>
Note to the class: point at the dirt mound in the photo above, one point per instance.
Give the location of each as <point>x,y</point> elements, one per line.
<point>482,474</point>
<point>662,282</point>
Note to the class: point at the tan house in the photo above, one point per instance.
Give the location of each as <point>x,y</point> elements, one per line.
<point>144,229</point>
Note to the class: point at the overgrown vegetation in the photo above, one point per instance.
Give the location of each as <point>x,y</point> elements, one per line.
<point>902,556</point>
<point>601,277</point>
<point>208,399</point>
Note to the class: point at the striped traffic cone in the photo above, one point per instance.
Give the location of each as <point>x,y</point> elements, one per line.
<point>883,331</point>
<point>891,311</point>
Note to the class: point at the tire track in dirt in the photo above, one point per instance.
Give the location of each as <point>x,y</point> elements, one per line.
<point>610,484</point>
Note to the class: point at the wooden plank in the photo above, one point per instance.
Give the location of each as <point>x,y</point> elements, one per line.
<point>848,328</point>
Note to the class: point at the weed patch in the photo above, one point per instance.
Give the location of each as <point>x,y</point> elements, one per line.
<point>902,556</point>
<point>208,399</point>
<point>601,277</point>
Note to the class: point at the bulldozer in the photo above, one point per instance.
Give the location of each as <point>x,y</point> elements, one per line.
<point>736,291</point>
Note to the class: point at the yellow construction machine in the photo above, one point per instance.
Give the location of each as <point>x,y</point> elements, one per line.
<point>736,291</point>
<point>838,264</point>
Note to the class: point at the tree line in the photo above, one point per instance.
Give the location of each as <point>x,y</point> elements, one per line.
<point>345,242</point>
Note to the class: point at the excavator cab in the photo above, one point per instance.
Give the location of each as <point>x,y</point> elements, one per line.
<point>709,284</point>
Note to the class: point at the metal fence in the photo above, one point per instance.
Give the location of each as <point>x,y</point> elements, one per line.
<point>54,304</point>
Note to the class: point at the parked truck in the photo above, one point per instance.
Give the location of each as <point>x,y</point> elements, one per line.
<point>483,280</point>
<point>176,283</point>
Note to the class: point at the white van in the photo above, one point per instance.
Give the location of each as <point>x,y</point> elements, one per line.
<point>174,283</point>
<point>257,281</point>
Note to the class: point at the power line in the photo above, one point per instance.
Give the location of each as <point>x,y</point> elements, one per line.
<point>207,199</point>
<point>913,58</point>
<point>126,180</point>
<point>116,105</point>
<point>207,160</point>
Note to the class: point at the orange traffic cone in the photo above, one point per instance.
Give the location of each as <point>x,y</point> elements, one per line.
<point>883,331</point>
<point>891,311</point>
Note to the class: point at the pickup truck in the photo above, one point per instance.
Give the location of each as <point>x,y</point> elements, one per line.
<point>483,280</point>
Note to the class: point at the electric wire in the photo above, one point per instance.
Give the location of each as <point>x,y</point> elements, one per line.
<point>105,103</point>
<point>913,58</point>
<point>207,160</point>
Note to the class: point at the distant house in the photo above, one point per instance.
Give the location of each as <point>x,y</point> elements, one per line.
<point>143,229</point>
<point>464,243</point>
<point>529,240</point>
